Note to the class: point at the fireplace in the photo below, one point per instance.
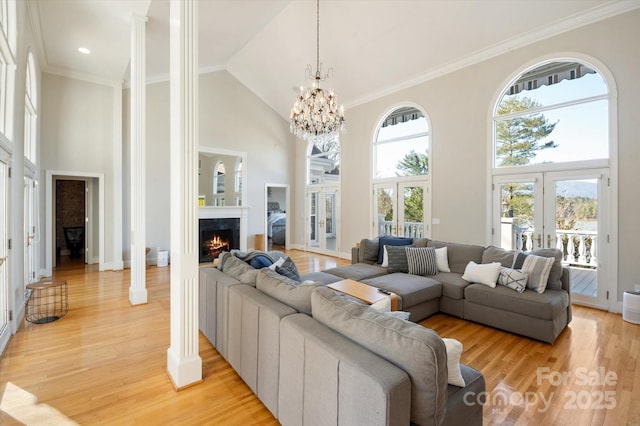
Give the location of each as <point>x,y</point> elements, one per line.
<point>218,235</point>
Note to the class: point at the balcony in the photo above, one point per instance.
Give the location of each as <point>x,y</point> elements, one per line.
<point>409,230</point>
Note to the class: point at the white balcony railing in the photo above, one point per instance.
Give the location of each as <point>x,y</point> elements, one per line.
<point>578,247</point>
<point>409,229</point>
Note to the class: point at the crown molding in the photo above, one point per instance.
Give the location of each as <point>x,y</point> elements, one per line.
<point>90,78</point>
<point>161,78</point>
<point>33,12</point>
<point>598,13</point>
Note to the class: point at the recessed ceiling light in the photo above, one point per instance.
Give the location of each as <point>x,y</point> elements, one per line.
<point>84,50</point>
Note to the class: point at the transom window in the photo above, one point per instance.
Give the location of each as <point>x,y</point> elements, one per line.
<point>401,147</point>
<point>555,112</point>
<point>324,163</point>
<point>30,111</point>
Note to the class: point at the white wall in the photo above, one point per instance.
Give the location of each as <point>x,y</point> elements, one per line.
<point>231,118</point>
<point>459,107</point>
<point>77,136</point>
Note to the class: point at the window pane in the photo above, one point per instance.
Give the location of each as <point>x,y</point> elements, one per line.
<point>552,84</point>
<point>324,162</point>
<point>574,133</point>
<point>402,143</point>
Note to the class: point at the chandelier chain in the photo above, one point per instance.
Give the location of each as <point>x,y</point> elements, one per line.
<point>317,38</point>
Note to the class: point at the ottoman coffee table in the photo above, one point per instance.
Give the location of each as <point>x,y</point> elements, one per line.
<point>366,293</point>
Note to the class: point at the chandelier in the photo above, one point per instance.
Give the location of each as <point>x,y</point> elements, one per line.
<point>315,115</point>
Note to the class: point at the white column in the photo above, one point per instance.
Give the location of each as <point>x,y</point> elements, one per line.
<point>118,264</point>
<point>184,364</point>
<point>138,290</point>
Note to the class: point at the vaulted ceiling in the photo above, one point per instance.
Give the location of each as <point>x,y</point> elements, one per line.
<point>374,46</point>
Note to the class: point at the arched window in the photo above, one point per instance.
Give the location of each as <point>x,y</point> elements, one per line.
<point>551,167</point>
<point>30,111</point>
<point>555,112</point>
<point>218,184</point>
<point>401,173</point>
<point>7,64</point>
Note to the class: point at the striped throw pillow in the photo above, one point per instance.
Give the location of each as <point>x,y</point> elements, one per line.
<point>422,260</point>
<point>538,268</point>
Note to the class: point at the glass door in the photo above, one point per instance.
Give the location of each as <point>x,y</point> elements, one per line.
<point>564,210</point>
<point>322,226</point>
<point>29,230</point>
<point>4,265</point>
<point>400,209</point>
<point>577,223</point>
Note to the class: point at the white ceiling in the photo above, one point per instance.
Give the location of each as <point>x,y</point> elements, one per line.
<point>373,46</point>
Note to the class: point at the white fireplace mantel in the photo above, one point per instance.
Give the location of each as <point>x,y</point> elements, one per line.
<point>241,213</point>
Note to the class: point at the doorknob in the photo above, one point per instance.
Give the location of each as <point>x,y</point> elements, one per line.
<point>29,239</point>
<point>2,259</point>
<point>539,240</point>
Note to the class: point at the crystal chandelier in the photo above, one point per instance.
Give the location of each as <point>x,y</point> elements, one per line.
<point>315,115</point>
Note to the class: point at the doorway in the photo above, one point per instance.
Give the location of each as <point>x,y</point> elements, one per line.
<point>5,331</point>
<point>322,220</point>
<point>276,217</point>
<point>400,209</point>
<point>565,210</point>
<point>70,220</point>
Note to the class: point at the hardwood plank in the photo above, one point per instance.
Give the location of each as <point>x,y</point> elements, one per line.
<point>104,363</point>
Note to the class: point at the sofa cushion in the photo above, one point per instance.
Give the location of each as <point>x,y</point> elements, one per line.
<point>422,261</point>
<point>320,277</point>
<point>498,254</point>
<point>452,284</point>
<point>240,270</point>
<point>420,242</point>
<point>369,250</point>
<point>286,290</point>
<point>419,351</point>
<point>545,306</point>
<point>412,289</point>
<point>357,271</point>
<point>460,254</point>
<point>391,241</point>
<point>554,282</point>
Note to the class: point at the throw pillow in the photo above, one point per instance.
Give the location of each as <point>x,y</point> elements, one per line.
<point>260,261</point>
<point>513,278</point>
<point>454,351</point>
<point>391,241</point>
<point>397,259</point>
<point>385,257</point>
<point>277,263</point>
<point>538,268</point>
<point>498,254</point>
<point>484,273</point>
<point>442,259</point>
<point>422,260</point>
<point>289,270</point>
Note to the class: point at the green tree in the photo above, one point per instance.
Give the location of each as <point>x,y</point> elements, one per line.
<point>413,164</point>
<point>518,139</point>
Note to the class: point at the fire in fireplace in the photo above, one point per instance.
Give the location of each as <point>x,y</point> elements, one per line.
<point>218,235</point>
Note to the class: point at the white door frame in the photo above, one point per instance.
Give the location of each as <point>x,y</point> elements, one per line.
<point>543,181</point>
<point>322,191</point>
<point>49,243</point>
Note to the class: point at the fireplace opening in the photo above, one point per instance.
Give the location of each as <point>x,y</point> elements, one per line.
<point>217,236</point>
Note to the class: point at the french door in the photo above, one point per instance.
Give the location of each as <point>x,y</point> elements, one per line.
<point>322,220</point>
<point>400,209</point>
<point>5,331</point>
<point>30,273</point>
<point>565,210</point>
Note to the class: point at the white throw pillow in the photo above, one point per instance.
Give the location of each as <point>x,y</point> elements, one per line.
<point>382,305</point>
<point>454,351</point>
<point>385,258</point>
<point>442,259</point>
<point>484,273</point>
<point>277,263</point>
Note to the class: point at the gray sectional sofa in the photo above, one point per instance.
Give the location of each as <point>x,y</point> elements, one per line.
<point>541,316</point>
<point>312,355</point>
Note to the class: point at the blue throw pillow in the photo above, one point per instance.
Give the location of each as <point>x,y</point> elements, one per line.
<point>260,262</point>
<point>391,241</point>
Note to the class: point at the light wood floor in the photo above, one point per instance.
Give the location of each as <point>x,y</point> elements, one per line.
<point>104,363</point>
